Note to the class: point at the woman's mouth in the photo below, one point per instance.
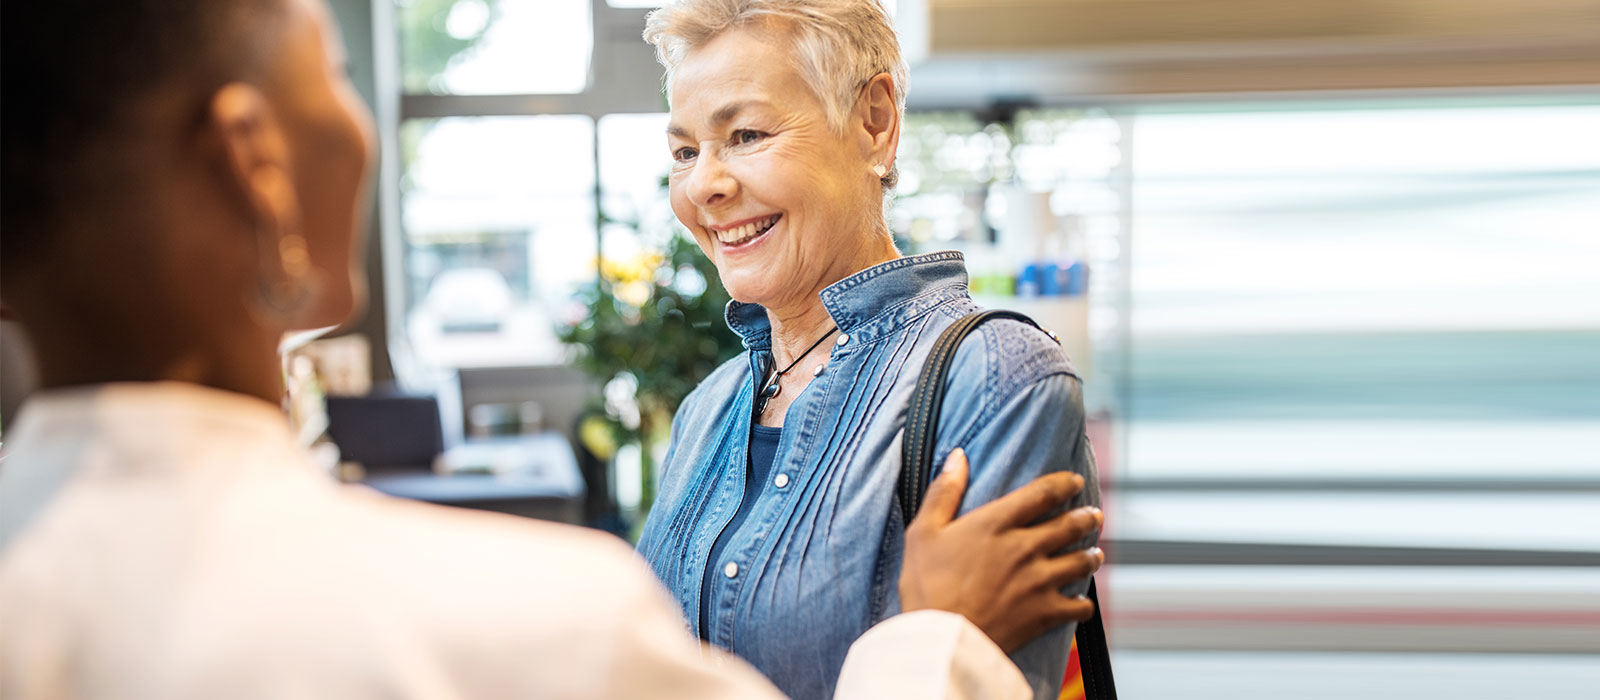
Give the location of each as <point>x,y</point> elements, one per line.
<point>740,235</point>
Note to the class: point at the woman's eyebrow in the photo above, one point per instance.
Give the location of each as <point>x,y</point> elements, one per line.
<point>727,112</point>
<point>722,116</point>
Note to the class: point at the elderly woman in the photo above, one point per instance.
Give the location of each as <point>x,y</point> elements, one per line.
<point>777,527</point>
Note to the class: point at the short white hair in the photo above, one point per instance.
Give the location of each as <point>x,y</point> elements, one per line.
<point>839,44</point>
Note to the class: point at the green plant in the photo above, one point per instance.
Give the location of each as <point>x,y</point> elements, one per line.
<point>657,321</point>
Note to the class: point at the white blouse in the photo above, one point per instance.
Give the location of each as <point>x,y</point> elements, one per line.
<point>172,541</point>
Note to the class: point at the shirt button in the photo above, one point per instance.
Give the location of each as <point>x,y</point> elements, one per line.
<point>731,570</point>
<point>817,372</point>
<point>781,481</point>
<point>844,338</point>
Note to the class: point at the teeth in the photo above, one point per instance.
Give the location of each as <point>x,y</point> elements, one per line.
<point>747,231</point>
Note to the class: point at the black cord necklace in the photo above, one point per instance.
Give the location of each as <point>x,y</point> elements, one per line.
<point>771,388</point>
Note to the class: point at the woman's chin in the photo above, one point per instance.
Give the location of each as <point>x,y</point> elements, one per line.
<point>748,286</point>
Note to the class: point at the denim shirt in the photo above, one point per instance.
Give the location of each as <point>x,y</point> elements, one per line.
<point>816,562</point>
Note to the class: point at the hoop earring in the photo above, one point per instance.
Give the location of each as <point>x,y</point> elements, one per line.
<point>287,278</point>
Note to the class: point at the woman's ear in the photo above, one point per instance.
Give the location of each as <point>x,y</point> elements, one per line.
<point>879,116</point>
<point>256,153</point>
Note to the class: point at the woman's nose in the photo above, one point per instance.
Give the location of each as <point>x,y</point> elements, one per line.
<point>710,183</point>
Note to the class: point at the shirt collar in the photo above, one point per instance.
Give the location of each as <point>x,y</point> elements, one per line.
<point>126,429</point>
<point>129,408</point>
<point>870,302</point>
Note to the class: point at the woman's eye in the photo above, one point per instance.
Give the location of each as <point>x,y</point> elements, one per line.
<point>683,155</point>
<point>746,136</point>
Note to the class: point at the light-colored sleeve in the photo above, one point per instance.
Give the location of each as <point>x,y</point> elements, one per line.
<point>653,655</point>
<point>931,655</point>
<point>923,655</point>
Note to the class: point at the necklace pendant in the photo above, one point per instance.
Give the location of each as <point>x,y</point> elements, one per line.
<point>771,390</point>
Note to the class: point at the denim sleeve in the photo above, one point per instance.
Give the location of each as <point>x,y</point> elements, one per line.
<point>1037,430</point>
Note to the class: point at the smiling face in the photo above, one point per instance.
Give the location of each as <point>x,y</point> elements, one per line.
<point>779,202</point>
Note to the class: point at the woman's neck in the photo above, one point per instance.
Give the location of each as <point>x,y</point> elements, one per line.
<point>68,355</point>
<point>795,332</point>
<point>795,328</point>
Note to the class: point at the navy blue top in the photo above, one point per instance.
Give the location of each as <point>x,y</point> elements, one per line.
<point>763,450</point>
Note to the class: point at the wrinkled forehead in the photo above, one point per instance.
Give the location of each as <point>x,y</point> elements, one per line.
<point>740,70</point>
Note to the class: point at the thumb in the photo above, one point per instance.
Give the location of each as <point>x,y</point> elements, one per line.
<point>939,507</point>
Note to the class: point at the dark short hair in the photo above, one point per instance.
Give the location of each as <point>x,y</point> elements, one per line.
<point>73,70</point>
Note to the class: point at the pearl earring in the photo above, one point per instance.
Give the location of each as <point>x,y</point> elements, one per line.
<point>879,170</point>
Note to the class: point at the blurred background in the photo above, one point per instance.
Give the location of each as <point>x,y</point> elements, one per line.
<point>1330,271</point>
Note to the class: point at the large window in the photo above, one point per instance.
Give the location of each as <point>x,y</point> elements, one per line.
<point>499,219</point>
<point>520,169</point>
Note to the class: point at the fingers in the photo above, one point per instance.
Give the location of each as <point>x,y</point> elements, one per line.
<point>1065,529</point>
<point>1027,504</point>
<point>943,500</point>
<point>1060,571</point>
<point>1041,612</point>
<point>1047,611</point>
<point>1074,609</point>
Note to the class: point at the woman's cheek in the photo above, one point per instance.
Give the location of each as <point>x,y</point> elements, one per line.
<point>680,203</point>
<point>702,238</point>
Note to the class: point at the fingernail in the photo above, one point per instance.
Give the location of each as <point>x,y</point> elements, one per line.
<point>1095,515</point>
<point>1098,554</point>
<point>952,464</point>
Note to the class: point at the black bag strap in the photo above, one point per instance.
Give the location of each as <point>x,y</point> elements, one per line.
<point>1094,655</point>
<point>916,469</point>
<point>922,415</point>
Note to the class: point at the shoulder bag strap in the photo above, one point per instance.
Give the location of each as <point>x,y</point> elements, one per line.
<point>916,469</point>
